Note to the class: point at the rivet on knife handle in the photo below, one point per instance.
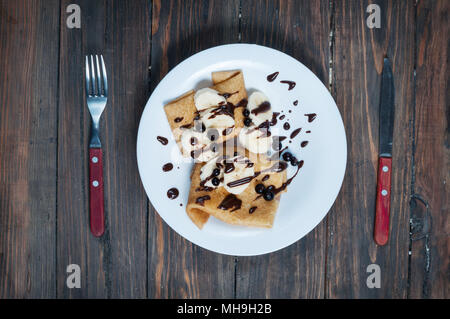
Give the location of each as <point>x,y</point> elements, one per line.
<point>96,216</point>
<point>383,202</point>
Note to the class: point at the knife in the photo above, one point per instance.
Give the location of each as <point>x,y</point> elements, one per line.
<point>383,202</point>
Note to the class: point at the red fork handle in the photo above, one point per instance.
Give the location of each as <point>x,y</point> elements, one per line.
<point>381,233</point>
<point>96,216</point>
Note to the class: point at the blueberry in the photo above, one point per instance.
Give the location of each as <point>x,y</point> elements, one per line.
<point>277,147</point>
<point>268,195</point>
<point>287,156</point>
<point>247,121</point>
<point>246,112</point>
<point>260,188</point>
<point>215,181</point>
<point>294,161</point>
<point>213,134</point>
<point>199,126</point>
<point>216,172</point>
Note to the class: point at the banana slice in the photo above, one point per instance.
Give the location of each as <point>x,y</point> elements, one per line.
<point>216,118</point>
<point>192,140</point>
<point>259,107</point>
<point>255,140</point>
<point>206,98</point>
<point>238,174</point>
<point>206,173</point>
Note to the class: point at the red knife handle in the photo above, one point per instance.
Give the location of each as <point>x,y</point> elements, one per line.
<point>381,233</point>
<point>97,217</point>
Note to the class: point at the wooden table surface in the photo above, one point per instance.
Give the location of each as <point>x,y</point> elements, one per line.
<point>44,132</point>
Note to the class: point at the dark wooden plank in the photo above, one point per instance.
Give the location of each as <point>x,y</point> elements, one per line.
<point>28,99</point>
<point>177,268</point>
<point>429,213</point>
<point>358,54</point>
<point>75,244</point>
<point>127,52</point>
<point>300,29</point>
<point>116,264</point>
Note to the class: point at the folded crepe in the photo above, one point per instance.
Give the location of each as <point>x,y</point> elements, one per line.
<point>181,112</point>
<point>247,208</point>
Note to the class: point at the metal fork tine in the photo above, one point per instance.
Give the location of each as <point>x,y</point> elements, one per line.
<point>94,80</point>
<point>88,77</point>
<point>105,79</point>
<point>99,85</point>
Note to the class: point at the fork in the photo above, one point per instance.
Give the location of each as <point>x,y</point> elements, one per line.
<point>96,95</point>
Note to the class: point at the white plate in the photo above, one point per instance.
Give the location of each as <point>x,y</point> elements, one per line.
<point>312,192</point>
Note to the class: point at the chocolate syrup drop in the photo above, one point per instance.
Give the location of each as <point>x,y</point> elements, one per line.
<point>308,131</point>
<point>311,117</point>
<point>172,193</point>
<point>295,102</point>
<point>274,121</point>
<point>252,209</point>
<point>282,117</point>
<point>290,83</point>
<point>229,167</point>
<point>304,143</point>
<point>262,108</point>
<point>286,126</point>
<point>295,132</point>
<point>178,119</point>
<point>230,202</point>
<point>162,140</point>
<point>167,167</point>
<point>272,77</point>
<point>201,200</point>
<point>265,178</point>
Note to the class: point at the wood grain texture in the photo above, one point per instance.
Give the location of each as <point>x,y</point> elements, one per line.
<point>176,267</point>
<point>300,29</point>
<point>358,54</point>
<point>28,99</point>
<point>127,48</point>
<point>114,265</point>
<point>44,134</point>
<point>75,243</point>
<point>430,250</point>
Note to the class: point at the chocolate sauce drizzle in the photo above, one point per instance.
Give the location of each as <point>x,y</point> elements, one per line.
<point>162,140</point>
<point>178,119</point>
<point>201,200</point>
<point>230,202</point>
<point>272,77</point>
<point>290,83</point>
<point>172,193</point>
<point>262,108</point>
<point>288,181</point>
<point>295,132</point>
<point>274,120</point>
<point>252,209</point>
<point>311,117</point>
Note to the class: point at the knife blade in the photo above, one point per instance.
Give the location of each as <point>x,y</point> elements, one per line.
<point>387,115</point>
